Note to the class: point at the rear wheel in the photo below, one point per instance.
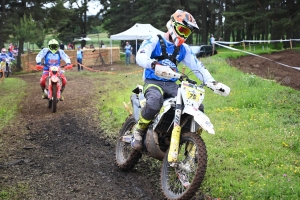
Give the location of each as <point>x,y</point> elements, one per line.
<point>184,180</point>
<point>54,97</point>
<point>126,156</point>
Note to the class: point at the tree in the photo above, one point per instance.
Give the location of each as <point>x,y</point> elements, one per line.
<point>26,31</point>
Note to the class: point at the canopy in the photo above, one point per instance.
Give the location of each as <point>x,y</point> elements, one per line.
<point>136,32</point>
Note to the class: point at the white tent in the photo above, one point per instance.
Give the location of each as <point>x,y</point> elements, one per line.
<point>136,32</point>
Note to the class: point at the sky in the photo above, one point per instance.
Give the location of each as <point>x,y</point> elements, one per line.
<point>93,6</point>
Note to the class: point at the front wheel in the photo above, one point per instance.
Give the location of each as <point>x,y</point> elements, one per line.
<point>183,181</point>
<point>126,156</point>
<point>54,97</point>
<point>8,71</point>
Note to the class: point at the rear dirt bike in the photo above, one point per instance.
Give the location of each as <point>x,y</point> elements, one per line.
<point>53,85</point>
<point>5,68</point>
<point>174,136</point>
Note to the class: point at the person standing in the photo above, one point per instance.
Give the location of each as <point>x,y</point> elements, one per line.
<point>79,55</point>
<point>212,43</point>
<point>127,49</point>
<point>61,46</point>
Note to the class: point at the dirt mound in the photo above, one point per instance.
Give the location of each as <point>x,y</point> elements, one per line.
<point>284,75</point>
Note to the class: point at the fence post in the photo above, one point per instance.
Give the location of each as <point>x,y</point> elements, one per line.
<point>291,44</point>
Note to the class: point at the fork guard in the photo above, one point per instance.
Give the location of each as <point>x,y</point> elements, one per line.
<point>200,118</point>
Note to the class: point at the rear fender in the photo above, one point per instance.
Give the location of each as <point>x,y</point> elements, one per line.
<point>200,118</point>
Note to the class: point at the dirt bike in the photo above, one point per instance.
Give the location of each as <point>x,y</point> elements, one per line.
<point>5,68</point>
<point>173,136</point>
<point>53,85</point>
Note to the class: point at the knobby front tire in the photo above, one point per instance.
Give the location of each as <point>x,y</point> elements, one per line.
<point>54,97</point>
<point>192,163</point>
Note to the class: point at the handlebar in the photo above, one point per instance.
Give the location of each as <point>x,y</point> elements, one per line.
<point>41,67</point>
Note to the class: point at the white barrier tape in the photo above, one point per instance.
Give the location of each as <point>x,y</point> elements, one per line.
<point>222,42</point>
<point>257,41</point>
<point>265,41</point>
<point>298,68</point>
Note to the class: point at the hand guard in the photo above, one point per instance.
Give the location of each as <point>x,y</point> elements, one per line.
<point>218,88</point>
<point>39,67</point>
<point>68,66</point>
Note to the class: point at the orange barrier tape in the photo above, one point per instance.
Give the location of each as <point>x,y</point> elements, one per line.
<point>90,69</point>
<point>33,68</point>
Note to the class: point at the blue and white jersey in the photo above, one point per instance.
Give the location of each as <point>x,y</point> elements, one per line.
<point>51,59</point>
<point>5,57</point>
<point>151,48</point>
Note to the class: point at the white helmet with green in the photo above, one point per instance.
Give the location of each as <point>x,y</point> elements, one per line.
<point>53,45</point>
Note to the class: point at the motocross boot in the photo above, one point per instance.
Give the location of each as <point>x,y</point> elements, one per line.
<point>61,91</point>
<point>44,96</point>
<point>138,132</point>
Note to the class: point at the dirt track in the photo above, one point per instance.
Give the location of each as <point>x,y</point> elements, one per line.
<point>64,155</point>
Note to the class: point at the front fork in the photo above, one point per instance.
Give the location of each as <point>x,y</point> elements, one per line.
<point>175,137</point>
<point>49,87</point>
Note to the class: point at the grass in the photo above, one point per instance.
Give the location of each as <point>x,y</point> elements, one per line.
<point>255,153</point>
<point>12,91</point>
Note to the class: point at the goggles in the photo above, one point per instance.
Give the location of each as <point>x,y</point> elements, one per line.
<point>53,46</point>
<point>182,30</point>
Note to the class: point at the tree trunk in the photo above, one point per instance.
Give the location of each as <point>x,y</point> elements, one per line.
<point>20,51</point>
<point>204,22</point>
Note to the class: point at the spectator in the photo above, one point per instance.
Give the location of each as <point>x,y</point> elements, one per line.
<point>212,40</point>
<point>91,46</point>
<point>61,46</point>
<point>101,44</point>
<point>212,43</point>
<point>79,55</point>
<point>128,50</point>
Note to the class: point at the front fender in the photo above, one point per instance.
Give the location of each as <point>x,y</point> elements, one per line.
<point>200,118</point>
<point>54,79</point>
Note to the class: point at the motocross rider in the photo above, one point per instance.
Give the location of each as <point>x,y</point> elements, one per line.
<point>5,57</point>
<point>52,56</point>
<point>168,49</point>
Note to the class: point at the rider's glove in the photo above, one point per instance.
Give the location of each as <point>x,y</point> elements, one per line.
<point>218,88</point>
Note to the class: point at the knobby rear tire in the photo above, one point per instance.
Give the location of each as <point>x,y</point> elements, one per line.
<point>126,156</point>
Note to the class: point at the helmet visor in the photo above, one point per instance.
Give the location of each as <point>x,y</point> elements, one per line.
<point>53,46</point>
<point>182,30</point>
